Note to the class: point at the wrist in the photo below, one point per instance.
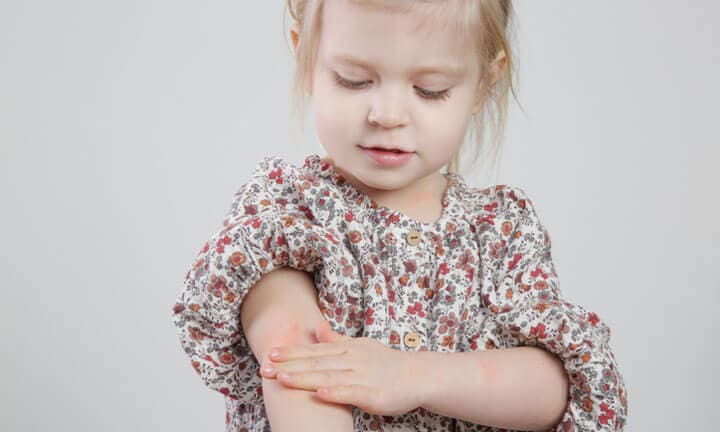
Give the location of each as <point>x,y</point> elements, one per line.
<point>438,376</point>
<point>423,370</point>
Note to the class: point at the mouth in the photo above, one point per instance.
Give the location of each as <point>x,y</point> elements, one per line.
<point>388,157</point>
<point>387,150</point>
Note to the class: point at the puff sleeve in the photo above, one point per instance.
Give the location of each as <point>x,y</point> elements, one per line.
<point>255,238</point>
<point>526,308</point>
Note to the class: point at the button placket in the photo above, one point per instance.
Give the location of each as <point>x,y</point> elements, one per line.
<point>411,340</point>
<point>413,237</point>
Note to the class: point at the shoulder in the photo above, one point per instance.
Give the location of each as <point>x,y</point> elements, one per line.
<point>275,172</point>
<point>281,177</point>
<point>505,212</point>
<point>508,200</point>
<point>270,183</point>
<point>267,186</point>
<point>293,193</point>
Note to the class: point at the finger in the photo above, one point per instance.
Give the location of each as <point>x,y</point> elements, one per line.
<point>271,369</point>
<point>280,354</point>
<point>314,364</point>
<point>317,379</point>
<point>354,394</point>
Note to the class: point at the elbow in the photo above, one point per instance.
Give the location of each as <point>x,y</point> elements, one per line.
<point>557,390</point>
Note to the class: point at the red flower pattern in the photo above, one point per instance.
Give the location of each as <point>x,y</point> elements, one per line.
<point>283,216</point>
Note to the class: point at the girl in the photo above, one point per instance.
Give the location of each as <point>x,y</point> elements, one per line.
<point>438,306</point>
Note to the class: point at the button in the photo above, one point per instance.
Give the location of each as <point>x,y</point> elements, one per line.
<point>411,340</point>
<point>413,237</point>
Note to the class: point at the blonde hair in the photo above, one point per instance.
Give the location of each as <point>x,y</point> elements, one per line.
<point>486,24</point>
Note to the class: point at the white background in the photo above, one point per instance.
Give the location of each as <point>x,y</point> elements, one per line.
<point>125,128</point>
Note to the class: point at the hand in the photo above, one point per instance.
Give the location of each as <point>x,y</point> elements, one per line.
<point>345,370</point>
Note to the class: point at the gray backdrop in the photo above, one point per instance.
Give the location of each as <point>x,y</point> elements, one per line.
<point>125,128</point>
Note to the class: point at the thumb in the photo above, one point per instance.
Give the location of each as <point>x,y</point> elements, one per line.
<point>325,333</point>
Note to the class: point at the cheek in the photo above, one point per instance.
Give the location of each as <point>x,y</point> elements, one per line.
<point>443,131</point>
<point>333,130</point>
<point>338,117</point>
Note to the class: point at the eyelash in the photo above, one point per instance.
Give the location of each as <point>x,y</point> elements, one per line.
<point>425,94</point>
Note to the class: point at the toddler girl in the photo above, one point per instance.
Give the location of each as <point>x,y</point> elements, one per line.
<point>443,303</point>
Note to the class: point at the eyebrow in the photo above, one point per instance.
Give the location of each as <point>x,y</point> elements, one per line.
<point>450,70</point>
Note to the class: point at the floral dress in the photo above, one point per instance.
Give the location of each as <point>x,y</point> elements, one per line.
<point>480,278</point>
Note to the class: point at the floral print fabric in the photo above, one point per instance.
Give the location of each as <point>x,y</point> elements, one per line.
<point>481,277</point>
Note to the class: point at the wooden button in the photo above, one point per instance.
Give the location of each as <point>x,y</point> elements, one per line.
<point>411,340</point>
<point>413,237</point>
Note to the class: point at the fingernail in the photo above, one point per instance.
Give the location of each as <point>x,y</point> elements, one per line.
<point>269,369</point>
<point>274,353</point>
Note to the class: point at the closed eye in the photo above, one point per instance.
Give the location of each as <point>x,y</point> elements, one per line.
<point>424,93</point>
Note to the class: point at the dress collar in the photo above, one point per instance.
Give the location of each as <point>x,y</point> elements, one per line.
<point>451,200</point>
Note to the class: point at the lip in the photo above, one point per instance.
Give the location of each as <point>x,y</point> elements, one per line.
<point>385,148</point>
<point>387,158</point>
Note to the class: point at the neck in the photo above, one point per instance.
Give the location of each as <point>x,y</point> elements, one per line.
<point>421,200</point>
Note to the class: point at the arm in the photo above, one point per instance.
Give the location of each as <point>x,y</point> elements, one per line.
<point>281,309</point>
<point>525,308</point>
<point>523,388</point>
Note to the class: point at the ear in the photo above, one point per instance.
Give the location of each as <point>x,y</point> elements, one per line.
<point>496,71</point>
<point>498,66</point>
<point>295,37</point>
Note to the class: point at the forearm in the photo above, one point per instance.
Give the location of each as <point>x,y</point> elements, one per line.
<point>296,410</point>
<point>523,388</point>
<point>281,309</point>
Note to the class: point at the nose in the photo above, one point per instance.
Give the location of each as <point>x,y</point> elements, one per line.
<point>388,108</point>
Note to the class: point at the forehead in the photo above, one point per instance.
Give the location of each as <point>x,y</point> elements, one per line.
<point>419,40</point>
